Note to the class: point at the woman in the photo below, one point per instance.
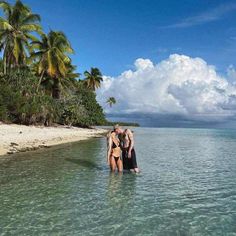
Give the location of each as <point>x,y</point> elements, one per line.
<point>114,152</point>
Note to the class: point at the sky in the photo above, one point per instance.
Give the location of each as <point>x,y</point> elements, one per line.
<point>112,34</point>
<point>172,60</point>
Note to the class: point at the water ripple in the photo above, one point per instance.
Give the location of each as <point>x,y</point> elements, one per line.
<point>187,187</point>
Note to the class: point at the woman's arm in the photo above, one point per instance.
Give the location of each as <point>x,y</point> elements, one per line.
<point>131,139</point>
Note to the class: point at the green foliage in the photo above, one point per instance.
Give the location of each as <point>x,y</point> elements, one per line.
<point>95,115</point>
<point>72,112</point>
<point>52,60</point>
<point>93,78</point>
<point>16,28</point>
<point>111,101</point>
<point>37,78</point>
<point>3,106</point>
<point>20,103</point>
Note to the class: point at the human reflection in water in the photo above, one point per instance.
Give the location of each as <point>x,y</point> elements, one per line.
<point>121,190</point>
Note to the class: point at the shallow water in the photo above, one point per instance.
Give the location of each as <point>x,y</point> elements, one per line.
<point>187,187</point>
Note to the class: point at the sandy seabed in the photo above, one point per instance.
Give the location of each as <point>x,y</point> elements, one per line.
<point>19,138</point>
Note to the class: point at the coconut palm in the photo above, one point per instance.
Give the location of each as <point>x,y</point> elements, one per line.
<point>93,78</point>
<point>71,74</point>
<point>16,31</point>
<point>111,101</point>
<point>69,82</point>
<point>52,56</point>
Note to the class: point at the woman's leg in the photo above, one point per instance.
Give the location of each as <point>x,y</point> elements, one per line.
<point>119,165</point>
<point>113,164</point>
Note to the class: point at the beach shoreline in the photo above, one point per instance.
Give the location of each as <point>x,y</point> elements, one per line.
<point>20,138</point>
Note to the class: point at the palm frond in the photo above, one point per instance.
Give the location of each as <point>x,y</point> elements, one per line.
<point>52,71</point>
<point>61,67</point>
<point>30,28</point>
<point>31,37</point>
<point>31,18</point>
<point>16,50</point>
<point>4,25</point>
<point>6,7</point>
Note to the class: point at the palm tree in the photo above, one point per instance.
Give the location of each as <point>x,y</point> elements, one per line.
<point>16,30</point>
<point>51,54</point>
<point>93,78</point>
<point>111,101</point>
<point>69,82</point>
<point>71,74</point>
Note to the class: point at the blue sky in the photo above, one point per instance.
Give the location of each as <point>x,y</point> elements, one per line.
<point>157,52</point>
<point>111,34</point>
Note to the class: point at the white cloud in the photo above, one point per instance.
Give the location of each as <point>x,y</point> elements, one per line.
<point>205,17</point>
<point>179,85</point>
<point>231,73</point>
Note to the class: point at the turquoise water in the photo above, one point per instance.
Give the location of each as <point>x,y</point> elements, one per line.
<point>187,187</point>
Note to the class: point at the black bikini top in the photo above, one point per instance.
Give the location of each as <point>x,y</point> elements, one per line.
<point>114,145</point>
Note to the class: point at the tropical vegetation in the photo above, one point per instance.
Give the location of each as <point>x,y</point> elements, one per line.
<point>93,79</point>
<point>39,83</point>
<point>111,101</point>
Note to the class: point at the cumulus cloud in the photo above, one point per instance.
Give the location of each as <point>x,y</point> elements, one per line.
<point>231,73</point>
<point>180,85</point>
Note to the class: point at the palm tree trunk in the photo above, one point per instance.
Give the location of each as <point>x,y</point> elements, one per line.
<point>5,60</point>
<point>40,80</point>
<point>56,89</point>
<point>4,66</point>
<point>9,63</point>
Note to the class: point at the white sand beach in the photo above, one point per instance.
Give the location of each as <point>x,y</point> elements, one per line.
<point>19,138</point>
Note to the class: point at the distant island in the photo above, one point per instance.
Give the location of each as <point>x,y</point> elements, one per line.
<point>110,123</point>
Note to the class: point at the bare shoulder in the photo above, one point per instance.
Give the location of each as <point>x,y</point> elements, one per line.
<point>129,132</point>
<point>109,134</point>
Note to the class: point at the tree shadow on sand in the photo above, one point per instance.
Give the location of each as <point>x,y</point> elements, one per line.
<point>84,163</point>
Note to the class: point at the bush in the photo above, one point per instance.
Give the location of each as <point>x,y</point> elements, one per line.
<point>94,111</point>
<point>71,111</point>
<point>21,103</point>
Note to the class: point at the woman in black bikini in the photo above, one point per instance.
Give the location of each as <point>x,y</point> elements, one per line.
<point>114,152</point>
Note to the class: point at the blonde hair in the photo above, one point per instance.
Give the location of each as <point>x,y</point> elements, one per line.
<point>109,134</point>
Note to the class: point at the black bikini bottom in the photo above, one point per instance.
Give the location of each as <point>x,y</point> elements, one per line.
<point>116,158</point>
